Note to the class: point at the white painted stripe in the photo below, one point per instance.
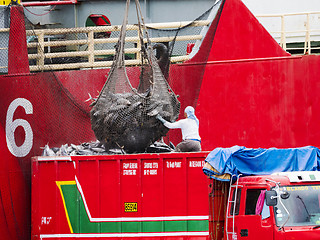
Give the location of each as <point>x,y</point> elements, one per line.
<point>134,219</point>
<point>54,158</point>
<point>120,235</point>
<point>83,198</point>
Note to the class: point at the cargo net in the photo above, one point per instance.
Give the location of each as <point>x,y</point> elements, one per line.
<point>4,39</point>
<point>124,116</point>
<point>136,91</point>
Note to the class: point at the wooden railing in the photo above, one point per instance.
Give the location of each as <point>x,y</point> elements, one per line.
<point>42,47</point>
<point>309,30</point>
<point>90,53</point>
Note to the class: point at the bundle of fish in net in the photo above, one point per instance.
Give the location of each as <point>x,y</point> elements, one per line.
<point>124,116</point>
<point>129,121</point>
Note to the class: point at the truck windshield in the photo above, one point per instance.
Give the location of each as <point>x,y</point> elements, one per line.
<point>302,203</point>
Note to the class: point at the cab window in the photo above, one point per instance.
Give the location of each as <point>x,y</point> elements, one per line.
<point>253,206</point>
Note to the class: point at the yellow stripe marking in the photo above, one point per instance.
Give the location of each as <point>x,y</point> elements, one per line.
<point>59,183</point>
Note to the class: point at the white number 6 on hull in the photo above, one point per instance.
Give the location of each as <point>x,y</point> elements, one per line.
<point>11,126</point>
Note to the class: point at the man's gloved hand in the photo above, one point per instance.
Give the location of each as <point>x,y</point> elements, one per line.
<point>160,118</point>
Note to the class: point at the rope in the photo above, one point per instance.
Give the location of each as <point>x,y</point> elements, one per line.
<point>39,15</point>
<point>119,57</point>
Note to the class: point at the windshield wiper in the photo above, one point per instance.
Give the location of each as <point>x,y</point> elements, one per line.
<point>315,227</point>
<point>305,207</point>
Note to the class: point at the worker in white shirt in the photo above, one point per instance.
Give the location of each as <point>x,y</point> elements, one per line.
<point>190,131</point>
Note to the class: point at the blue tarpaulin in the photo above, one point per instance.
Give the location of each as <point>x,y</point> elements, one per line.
<point>248,161</point>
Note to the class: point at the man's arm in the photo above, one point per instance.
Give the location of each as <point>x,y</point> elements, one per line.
<point>168,124</point>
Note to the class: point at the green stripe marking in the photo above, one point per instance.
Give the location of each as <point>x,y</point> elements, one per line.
<point>80,221</point>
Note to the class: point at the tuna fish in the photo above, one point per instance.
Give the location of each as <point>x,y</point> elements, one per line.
<point>97,148</point>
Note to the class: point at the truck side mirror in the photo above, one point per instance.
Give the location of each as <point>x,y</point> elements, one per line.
<point>271,198</point>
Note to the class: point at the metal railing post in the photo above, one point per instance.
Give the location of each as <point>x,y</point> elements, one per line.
<point>40,50</point>
<point>283,43</point>
<point>91,48</point>
<point>307,48</point>
<point>138,54</point>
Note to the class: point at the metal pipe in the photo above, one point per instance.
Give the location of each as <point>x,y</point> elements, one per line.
<point>283,36</point>
<point>33,4</point>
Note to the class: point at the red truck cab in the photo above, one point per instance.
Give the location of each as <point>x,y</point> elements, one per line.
<point>278,206</point>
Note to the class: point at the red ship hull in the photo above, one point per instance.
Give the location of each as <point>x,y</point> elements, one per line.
<point>246,90</point>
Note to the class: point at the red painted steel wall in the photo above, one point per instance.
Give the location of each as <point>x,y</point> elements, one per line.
<point>176,187</point>
<point>267,103</point>
<point>259,96</point>
<point>14,196</point>
<point>251,91</point>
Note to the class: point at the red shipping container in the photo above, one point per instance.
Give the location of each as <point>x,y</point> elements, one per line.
<point>120,196</point>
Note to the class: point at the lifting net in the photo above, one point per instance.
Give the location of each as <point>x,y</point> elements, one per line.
<point>124,116</point>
